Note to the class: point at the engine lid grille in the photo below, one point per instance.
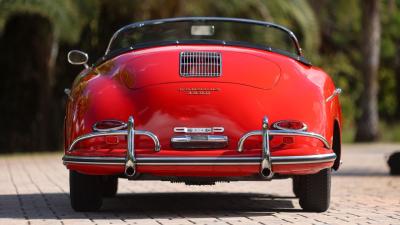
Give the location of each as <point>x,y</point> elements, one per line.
<point>200,64</point>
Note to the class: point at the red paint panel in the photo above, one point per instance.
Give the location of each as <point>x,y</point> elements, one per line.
<point>202,171</point>
<point>161,65</point>
<point>146,84</point>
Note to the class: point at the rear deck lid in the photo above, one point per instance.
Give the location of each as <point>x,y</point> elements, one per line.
<point>172,64</point>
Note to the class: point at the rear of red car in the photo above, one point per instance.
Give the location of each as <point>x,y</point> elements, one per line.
<point>200,113</point>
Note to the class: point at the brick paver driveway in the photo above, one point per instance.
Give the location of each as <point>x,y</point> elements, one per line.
<point>34,190</point>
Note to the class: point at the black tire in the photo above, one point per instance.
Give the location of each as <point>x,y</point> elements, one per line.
<point>394,163</point>
<point>109,185</point>
<point>85,192</point>
<point>315,191</point>
<point>296,186</point>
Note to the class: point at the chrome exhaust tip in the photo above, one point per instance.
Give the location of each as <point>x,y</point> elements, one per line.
<point>130,171</point>
<point>266,173</point>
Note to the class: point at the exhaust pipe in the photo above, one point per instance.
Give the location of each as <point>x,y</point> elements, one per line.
<point>130,171</point>
<point>266,173</point>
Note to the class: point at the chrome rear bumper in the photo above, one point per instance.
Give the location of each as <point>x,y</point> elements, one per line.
<point>265,160</point>
<point>200,161</point>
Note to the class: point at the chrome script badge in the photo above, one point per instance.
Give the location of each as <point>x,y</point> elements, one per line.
<point>199,130</point>
<point>199,91</point>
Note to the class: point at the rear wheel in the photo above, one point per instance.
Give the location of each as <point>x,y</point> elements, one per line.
<point>109,185</point>
<point>315,191</point>
<point>85,191</point>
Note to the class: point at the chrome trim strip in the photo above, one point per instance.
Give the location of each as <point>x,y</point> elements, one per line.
<point>336,92</point>
<point>281,133</point>
<point>197,160</point>
<point>304,159</point>
<point>120,161</point>
<point>192,138</point>
<point>157,145</point>
<point>275,160</point>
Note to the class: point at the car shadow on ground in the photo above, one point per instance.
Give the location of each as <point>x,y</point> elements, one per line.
<point>149,205</point>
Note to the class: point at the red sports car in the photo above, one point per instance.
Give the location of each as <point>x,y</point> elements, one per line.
<point>200,100</point>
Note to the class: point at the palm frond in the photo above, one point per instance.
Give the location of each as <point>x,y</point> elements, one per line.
<point>67,16</point>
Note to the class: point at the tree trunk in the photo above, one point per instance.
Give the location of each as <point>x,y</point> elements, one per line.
<point>368,124</point>
<point>27,61</point>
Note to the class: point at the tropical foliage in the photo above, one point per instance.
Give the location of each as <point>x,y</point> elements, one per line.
<point>35,36</point>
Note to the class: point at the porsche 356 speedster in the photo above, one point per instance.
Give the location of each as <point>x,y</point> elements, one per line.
<point>201,100</point>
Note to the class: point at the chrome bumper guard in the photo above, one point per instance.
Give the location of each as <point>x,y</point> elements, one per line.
<point>266,168</point>
<point>130,161</point>
<point>130,132</point>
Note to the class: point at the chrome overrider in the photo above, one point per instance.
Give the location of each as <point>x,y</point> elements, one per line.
<point>130,164</point>
<point>130,132</point>
<point>281,133</point>
<point>266,163</point>
<point>265,160</point>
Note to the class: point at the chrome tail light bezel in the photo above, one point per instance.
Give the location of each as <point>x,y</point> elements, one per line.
<point>277,125</point>
<point>120,126</point>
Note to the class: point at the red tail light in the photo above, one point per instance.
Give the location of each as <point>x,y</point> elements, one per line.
<point>109,125</point>
<point>290,125</point>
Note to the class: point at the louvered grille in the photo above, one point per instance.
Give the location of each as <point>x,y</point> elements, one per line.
<point>200,64</point>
